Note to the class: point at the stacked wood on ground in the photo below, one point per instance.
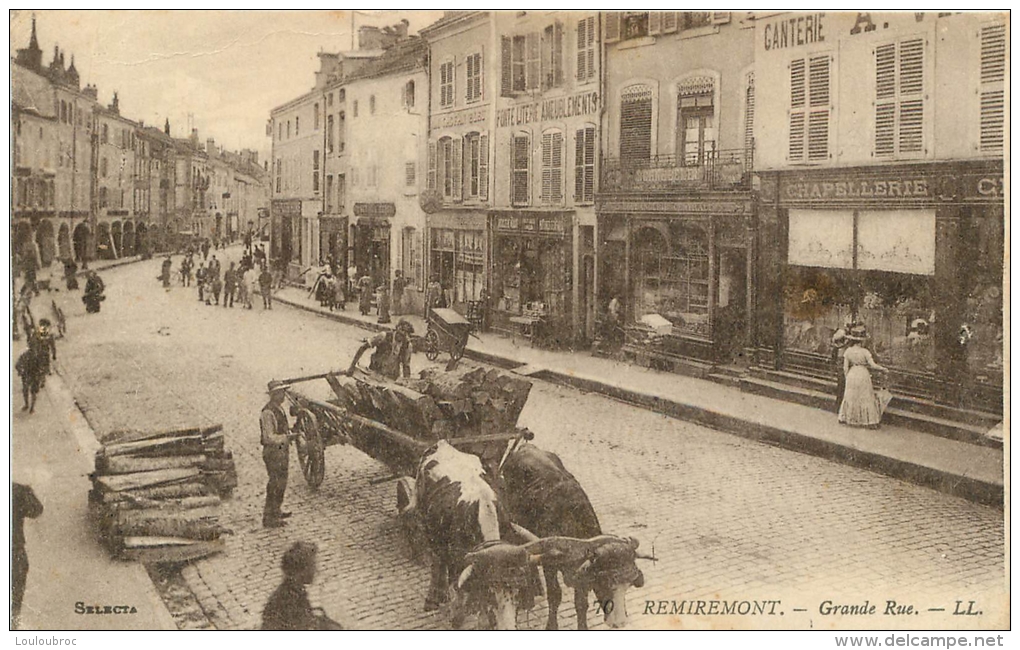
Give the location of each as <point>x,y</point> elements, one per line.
<point>463,403</point>
<point>155,495</point>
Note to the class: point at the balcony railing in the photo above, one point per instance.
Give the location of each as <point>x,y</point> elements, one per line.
<point>718,170</point>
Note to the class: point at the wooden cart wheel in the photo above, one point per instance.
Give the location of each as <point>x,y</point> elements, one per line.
<point>311,452</point>
<point>431,344</point>
<point>457,348</point>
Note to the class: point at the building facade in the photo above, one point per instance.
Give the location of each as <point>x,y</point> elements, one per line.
<point>881,165</point>
<point>387,225</point>
<point>676,212</point>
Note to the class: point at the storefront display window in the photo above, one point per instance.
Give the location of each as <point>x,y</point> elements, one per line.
<point>458,258</point>
<point>531,275</point>
<point>981,275</point>
<point>673,280</point>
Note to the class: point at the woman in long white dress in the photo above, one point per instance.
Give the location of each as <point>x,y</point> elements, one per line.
<point>861,406</point>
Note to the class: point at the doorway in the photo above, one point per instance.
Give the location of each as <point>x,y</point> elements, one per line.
<point>731,303</point>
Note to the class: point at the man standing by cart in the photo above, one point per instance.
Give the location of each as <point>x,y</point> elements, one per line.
<point>276,438</point>
<point>392,352</point>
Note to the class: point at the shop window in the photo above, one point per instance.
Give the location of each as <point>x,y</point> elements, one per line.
<point>476,166</point>
<point>584,165</point>
<point>458,259</point>
<point>697,133</point>
<point>899,97</point>
<point>672,277</point>
<point>447,72</point>
<point>636,123</point>
<point>552,167</point>
<point>993,72</point>
<point>981,333</point>
<point>520,180</point>
<point>809,109</point>
<point>474,77</point>
<point>586,49</point>
<point>531,276</point>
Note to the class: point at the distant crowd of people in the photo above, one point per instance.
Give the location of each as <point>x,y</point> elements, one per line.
<point>239,282</point>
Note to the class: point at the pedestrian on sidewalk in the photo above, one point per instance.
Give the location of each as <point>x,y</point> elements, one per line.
<point>31,368</point>
<point>365,297</point>
<point>861,406</point>
<point>399,284</point>
<point>839,345</point>
<point>340,293</point>
<point>71,274</point>
<point>242,287</point>
<point>93,296</point>
<point>266,287</point>
<point>288,608</point>
<point>276,439</point>
<point>24,504</point>
<point>165,273</point>
<point>41,339</point>
<point>383,298</point>
<point>217,288</point>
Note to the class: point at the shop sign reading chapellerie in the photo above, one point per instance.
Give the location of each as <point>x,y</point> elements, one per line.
<point>907,188</point>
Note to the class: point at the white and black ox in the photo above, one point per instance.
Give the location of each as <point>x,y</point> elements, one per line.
<point>466,528</point>
<point>547,500</point>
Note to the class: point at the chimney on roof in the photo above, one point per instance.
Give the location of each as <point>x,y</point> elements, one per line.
<point>115,104</point>
<point>194,138</point>
<point>210,146</point>
<point>166,126</point>
<point>91,92</point>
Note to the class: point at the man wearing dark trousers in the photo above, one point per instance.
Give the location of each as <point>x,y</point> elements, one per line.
<point>276,454</point>
<point>24,504</point>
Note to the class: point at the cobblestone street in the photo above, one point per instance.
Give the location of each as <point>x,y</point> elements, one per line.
<point>727,518</point>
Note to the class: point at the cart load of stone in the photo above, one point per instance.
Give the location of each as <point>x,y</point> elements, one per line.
<point>156,494</point>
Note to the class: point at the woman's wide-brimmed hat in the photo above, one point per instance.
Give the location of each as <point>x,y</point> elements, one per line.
<point>857,333</point>
<point>839,337</point>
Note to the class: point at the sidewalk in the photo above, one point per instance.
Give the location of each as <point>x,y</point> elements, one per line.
<point>53,452</point>
<point>969,471</point>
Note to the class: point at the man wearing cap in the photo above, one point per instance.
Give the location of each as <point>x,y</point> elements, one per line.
<point>276,438</point>
<point>45,345</point>
<point>392,352</point>
<point>289,608</point>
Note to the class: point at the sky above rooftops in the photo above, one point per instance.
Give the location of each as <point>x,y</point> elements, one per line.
<point>225,68</point>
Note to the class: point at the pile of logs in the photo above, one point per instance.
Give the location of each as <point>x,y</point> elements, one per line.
<point>155,495</point>
<point>440,404</point>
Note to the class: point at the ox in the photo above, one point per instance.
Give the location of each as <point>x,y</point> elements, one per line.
<point>546,499</point>
<point>464,525</point>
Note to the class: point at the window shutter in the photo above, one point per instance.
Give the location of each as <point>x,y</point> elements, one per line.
<point>797,84</point>
<point>534,50</point>
<point>547,145</point>
<point>911,90</point>
<point>457,169</point>
<point>579,166</point>
<point>749,115</point>
<point>521,165</point>
<point>557,167</point>
<point>558,54</point>
<point>670,22</point>
<point>506,84</point>
<point>589,164</point>
<point>818,119</point>
<point>796,135</point>
<point>636,123</point>
<point>654,22</point>
<point>432,166</point>
<point>591,48</point>
<point>582,54</point>
<point>818,135</point>
<point>612,27</point>
<point>483,167</point>
<point>992,94</point>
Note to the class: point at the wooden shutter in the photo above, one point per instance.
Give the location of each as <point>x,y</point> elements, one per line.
<point>506,67</point>
<point>457,169</point>
<point>992,95</point>
<point>534,58</point>
<point>885,100</point>
<point>557,54</point>
<point>818,99</point>
<point>589,164</point>
<point>483,167</point>
<point>579,166</point>
<point>911,90</point>
<point>798,93</point>
<point>636,123</point>
<point>582,44</point>
<point>432,166</point>
<point>547,145</point>
<point>654,23</point>
<point>670,22</point>
<point>557,166</point>
<point>591,48</point>
<point>612,27</point>
<point>521,166</point>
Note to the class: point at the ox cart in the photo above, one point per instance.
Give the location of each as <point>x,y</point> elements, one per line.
<point>395,422</point>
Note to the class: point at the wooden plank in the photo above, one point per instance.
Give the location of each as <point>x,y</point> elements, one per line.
<point>132,464</point>
<point>164,446</point>
<point>123,436</point>
<point>150,550</point>
<point>199,530</point>
<point>146,479</point>
<point>177,490</point>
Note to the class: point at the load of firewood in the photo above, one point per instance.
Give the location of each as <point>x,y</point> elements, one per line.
<point>466,402</point>
<point>155,494</point>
